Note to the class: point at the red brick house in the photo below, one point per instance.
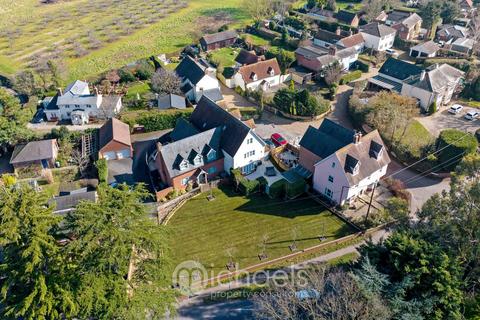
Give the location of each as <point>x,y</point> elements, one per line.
<point>218,40</point>
<point>348,18</point>
<point>114,140</point>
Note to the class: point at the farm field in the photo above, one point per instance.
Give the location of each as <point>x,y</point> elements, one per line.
<point>234,226</point>
<point>91,37</point>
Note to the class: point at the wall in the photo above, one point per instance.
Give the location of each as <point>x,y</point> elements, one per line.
<point>311,64</point>
<point>176,182</point>
<point>366,183</point>
<point>239,160</point>
<point>371,41</point>
<point>425,98</point>
<point>115,146</point>
<point>320,178</point>
<point>207,82</point>
<point>274,81</point>
<point>308,159</point>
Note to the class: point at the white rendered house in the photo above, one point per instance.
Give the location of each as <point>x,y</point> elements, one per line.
<point>260,75</point>
<point>378,36</point>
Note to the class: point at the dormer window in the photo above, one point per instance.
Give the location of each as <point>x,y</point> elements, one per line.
<point>197,160</point>
<point>352,165</point>
<point>376,150</point>
<point>253,76</point>
<point>211,155</point>
<point>183,165</point>
<point>270,71</point>
<point>356,169</point>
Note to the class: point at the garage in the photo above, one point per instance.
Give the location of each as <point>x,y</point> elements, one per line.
<point>123,154</point>
<point>110,155</point>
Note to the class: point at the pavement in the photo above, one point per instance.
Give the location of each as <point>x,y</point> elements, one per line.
<point>443,120</point>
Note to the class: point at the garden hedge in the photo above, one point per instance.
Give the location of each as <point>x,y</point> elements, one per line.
<point>454,145</point>
<point>102,169</point>
<point>277,189</point>
<point>349,77</point>
<point>154,121</point>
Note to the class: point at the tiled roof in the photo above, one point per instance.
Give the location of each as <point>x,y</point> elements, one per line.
<point>33,151</point>
<point>114,130</point>
<point>412,20</point>
<point>428,47</point>
<point>70,201</point>
<point>346,17</point>
<point>352,40</point>
<point>247,57</point>
<point>377,29</point>
<point>219,36</point>
<point>261,69</point>
<point>327,36</point>
<point>437,78</point>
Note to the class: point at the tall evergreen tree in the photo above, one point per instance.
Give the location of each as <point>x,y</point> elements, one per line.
<point>121,255</point>
<point>34,286</point>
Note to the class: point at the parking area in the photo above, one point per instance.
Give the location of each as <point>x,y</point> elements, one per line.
<point>444,120</point>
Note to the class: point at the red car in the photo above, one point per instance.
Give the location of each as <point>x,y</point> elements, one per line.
<point>278,140</point>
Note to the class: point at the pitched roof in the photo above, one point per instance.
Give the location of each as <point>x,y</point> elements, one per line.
<point>327,139</point>
<point>114,130</point>
<point>327,36</point>
<point>171,101</point>
<point>412,20</point>
<point>77,87</point>
<point>464,42</point>
<point>261,69</point>
<point>190,69</point>
<point>208,115</point>
<point>352,40</point>
<point>219,36</point>
<point>33,151</point>
<point>70,201</point>
<point>247,57</point>
<point>467,3</point>
<point>188,149</point>
<point>377,29</point>
<point>323,12</point>
<point>213,94</point>
<point>398,16</point>
<point>399,69</point>
<point>437,78</point>
<point>451,31</point>
<point>183,129</point>
<point>428,47</point>
<point>367,154</point>
<point>346,17</point>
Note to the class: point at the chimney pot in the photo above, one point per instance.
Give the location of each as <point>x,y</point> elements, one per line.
<point>60,91</point>
<point>332,50</point>
<point>338,31</point>
<point>356,137</point>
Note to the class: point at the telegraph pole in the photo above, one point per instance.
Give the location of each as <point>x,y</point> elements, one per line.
<point>370,203</point>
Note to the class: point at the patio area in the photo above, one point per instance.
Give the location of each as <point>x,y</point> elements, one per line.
<point>271,174</point>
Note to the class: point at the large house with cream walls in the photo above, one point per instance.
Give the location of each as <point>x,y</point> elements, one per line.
<point>198,79</point>
<point>378,36</point>
<point>345,164</point>
<point>79,105</point>
<point>260,75</point>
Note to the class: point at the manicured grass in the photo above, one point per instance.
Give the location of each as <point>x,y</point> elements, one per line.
<point>342,4</point>
<point>138,88</point>
<point>224,57</point>
<point>60,176</point>
<point>257,40</point>
<point>204,230</point>
<point>416,137</point>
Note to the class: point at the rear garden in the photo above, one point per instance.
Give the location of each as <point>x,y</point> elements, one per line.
<point>235,228</point>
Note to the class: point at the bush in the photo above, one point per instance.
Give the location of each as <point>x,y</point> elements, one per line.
<point>245,186</point>
<point>454,145</point>
<point>277,189</point>
<point>102,169</point>
<point>161,120</point>
<point>126,75</point>
<point>432,108</point>
<point>360,65</point>
<point>296,23</point>
<point>349,77</point>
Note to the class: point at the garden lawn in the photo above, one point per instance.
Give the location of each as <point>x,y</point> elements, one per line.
<point>343,4</point>
<point>416,138</point>
<point>224,57</point>
<point>203,230</point>
<point>138,88</point>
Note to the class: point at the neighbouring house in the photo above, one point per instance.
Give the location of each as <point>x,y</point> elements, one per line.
<point>300,74</point>
<point>408,28</point>
<point>67,202</point>
<point>378,36</point>
<point>171,101</point>
<point>79,105</point>
<point>347,18</point>
<point>246,57</point>
<point>326,39</point>
<point>392,74</point>
<point>218,40</point>
<point>436,84</point>
<point>41,153</point>
<point>114,141</point>
<point>467,5</point>
<point>316,58</point>
<point>448,32</point>
<point>463,45</point>
<point>351,170</point>
<point>322,15</point>
<point>424,50</point>
<point>198,79</point>
<point>261,75</point>
<point>382,17</point>
<point>354,41</point>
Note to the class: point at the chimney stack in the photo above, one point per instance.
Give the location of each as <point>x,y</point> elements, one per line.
<point>332,50</point>
<point>422,75</point>
<point>338,31</point>
<point>357,137</point>
<point>60,91</point>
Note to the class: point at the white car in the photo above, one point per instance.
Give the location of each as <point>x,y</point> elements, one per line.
<point>472,115</point>
<point>456,108</point>
<point>391,52</point>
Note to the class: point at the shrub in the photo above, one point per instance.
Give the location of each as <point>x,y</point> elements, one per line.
<point>333,91</point>
<point>8,180</point>
<point>349,77</point>
<point>161,120</point>
<point>102,169</point>
<point>454,145</point>
<point>247,187</point>
<point>296,23</point>
<point>432,108</point>
<point>277,189</point>
<point>360,65</point>
<point>248,112</point>
<point>126,75</point>
<point>239,91</point>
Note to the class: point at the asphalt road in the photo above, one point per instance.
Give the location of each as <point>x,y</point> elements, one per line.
<point>231,310</point>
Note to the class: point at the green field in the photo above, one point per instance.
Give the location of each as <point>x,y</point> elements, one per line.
<point>94,36</point>
<point>204,230</point>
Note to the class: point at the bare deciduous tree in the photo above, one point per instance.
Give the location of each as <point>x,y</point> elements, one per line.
<point>258,9</point>
<point>165,82</point>
<point>333,73</point>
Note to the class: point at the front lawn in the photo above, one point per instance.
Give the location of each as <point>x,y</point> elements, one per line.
<point>224,57</point>
<point>137,88</point>
<point>204,230</point>
<point>416,138</point>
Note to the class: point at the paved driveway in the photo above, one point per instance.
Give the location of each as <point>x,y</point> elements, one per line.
<point>443,120</point>
<point>231,310</point>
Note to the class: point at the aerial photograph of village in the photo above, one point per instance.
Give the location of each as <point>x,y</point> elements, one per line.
<point>240,159</point>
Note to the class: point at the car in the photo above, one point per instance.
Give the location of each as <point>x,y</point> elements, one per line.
<point>269,143</point>
<point>472,115</point>
<point>456,108</point>
<point>278,140</point>
<point>391,52</point>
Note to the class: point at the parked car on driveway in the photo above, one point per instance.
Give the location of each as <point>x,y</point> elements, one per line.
<point>472,115</point>
<point>278,140</point>
<point>392,52</point>
<point>456,108</point>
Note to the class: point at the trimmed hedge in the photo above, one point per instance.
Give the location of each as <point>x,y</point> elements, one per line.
<point>455,144</point>
<point>245,186</point>
<point>154,121</point>
<point>102,169</point>
<point>349,77</point>
<point>360,65</point>
<point>277,189</point>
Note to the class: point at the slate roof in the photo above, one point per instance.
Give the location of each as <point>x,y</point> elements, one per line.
<point>182,130</point>
<point>70,201</point>
<point>450,31</point>
<point>213,94</point>
<point>114,130</point>
<point>52,105</point>
<point>260,69</point>
<point>219,36</point>
<point>190,69</point>
<point>327,36</point>
<point>399,69</point>
<point>327,139</point>
<point>377,29</point>
<point>398,16</point>
<point>78,93</point>
<point>352,40</point>
<point>428,47</point>
<point>188,148</point>
<point>345,17</point>
<point>33,151</point>
<point>247,57</point>
<point>208,115</point>
<point>77,87</point>
<point>437,78</point>
<point>366,154</point>
<point>171,101</point>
